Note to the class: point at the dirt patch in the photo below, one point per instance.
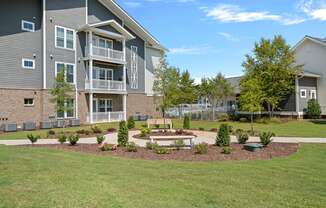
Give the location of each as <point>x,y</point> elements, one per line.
<point>214,152</point>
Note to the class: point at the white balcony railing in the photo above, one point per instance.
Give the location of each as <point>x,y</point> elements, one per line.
<point>106,53</point>
<point>107,117</point>
<point>110,85</point>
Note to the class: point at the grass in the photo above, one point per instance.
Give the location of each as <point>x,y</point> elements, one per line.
<point>294,128</point>
<point>51,178</point>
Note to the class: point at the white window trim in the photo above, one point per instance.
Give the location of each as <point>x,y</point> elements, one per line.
<point>311,92</point>
<point>97,39</point>
<point>64,63</point>
<point>106,107</point>
<point>305,91</point>
<point>27,67</point>
<point>134,85</point>
<point>26,29</point>
<point>65,38</point>
<point>29,105</point>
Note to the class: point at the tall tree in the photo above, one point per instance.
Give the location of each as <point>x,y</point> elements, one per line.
<point>251,97</point>
<point>273,64</point>
<point>187,88</point>
<point>61,93</point>
<point>166,85</point>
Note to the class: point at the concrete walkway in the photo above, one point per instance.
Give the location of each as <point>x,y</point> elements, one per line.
<point>208,137</point>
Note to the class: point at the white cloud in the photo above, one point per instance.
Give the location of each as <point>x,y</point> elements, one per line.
<point>197,50</point>
<point>133,4</point>
<point>228,36</point>
<point>314,9</point>
<point>233,13</point>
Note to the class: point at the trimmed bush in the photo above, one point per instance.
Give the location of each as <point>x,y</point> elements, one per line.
<point>123,134</point>
<point>151,146</point>
<point>80,131</point>
<point>73,139</point>
<point>131,122</point>
<point>313,109</point>
<point>201,148</point>
<point>242,136</point>
<point>108,147</point>
<point>33,138</point>
<point>224,117</point>
<point>100,139</point>
<point>51,132</point>
<point>62,138</point>
<point>179,144</point>
<point>266,138</point>
<point>162,151</point>
<point>201,129</point>
<point>131,147</point>
<point>144,132</point>
<point>223,137</point>
<point>186,122</point>
<point>227,150</point>
<point>96,130</point>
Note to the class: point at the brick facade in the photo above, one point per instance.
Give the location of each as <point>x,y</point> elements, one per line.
<point>141,103</point>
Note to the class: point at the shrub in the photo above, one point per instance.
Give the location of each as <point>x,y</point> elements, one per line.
<point>144,132</point>
<point>62,138</point>
<point>223,136</point>
<point>87,132</point>
<point>243,119</point>
<point>51,132</point>
<point>96,130</point>
<point>186,122</point>
<point>131,122</point>
<point>179,144</point>
<point>33,138</point>
<point>213,129</point>
<point>100,139</point>
<point>201,129</point>
<point>151,146</point>
<point>227,150</point>
<point>123,134</point>
<point>108,147</point>
<point>266,138</point>
<point>313,109</point>
<point>80,131</point>
<point>131,147</point>
<point>201,148</point>
<point>242,136</point>
<point>110,130</point>
<point>162,150</point>
<point>179,132</point>
<point>224,117</point>
<point>73,139</point>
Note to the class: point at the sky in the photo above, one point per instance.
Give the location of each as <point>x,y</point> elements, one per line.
<point>211,36</point>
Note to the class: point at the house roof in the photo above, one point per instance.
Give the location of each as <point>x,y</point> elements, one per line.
<point>310,74</point>
<point>321,41</point>
<point>113,24</point>
<point>133,24</point>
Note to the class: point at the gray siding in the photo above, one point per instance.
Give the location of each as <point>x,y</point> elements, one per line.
<point>308,84</point>
<point>98,12</point>
<point>69,14</point>
<point>16,44</point>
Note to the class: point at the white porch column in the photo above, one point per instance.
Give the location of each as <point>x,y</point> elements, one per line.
<point>124,65</point>
<point>297,99</point>
<point>124,107</point>
<point>91,108</point>
<point>90,43</point>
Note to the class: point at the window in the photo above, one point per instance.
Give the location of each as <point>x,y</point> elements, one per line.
<point>70,109</point>
<point>303,93</point>
<point>102,105</point>
<point>102,43</point>
<point>28,63</point>
<point>313,94</point>
<point>28,102</point>
<point>28,26</point>
<point>64,38</point>
<point>69,71</point>
<point>134,68</point>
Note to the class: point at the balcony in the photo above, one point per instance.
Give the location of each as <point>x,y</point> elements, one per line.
<point>99,117</point>
<point>105,54</point>
<point>106,85</point>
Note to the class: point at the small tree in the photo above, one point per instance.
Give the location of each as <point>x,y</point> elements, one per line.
<point>187,88</point>
<point>313,109</point>
<point>223,137</point>
<point>131,122</point>
<point>186,122</point>
<point>60,93</point>
<point>123,134</point>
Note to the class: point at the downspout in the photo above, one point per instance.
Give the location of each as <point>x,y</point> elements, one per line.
<point>43,59</point>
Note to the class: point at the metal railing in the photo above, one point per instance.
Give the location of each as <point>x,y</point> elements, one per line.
<point>99,117</point>
<point>106,53</point>
<point>111,85</point>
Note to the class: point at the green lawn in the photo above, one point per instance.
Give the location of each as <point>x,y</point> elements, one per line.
<point>51,178</point>
<point>292,128</point>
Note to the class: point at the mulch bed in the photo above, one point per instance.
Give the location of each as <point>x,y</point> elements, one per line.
<point>214,152</point>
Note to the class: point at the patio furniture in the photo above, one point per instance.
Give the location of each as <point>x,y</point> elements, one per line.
<point>173,138</point>
<point>74,122</point>
<point>46,125</point>
<point>10,127</point>
<point>29,126</point>
<point>151,122</point>
<point>253,147</point>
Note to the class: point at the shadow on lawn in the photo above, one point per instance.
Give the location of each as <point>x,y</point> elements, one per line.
<point>318,121</point>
